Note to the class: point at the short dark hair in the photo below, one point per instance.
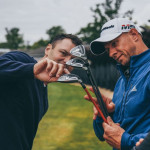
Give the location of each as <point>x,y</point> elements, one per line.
<point>75,40</point>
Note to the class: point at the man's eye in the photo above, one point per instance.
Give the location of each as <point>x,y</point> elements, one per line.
<point>114,44</point>
<point>63,53</point>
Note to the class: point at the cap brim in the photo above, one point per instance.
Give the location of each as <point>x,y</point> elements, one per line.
<point>97,46</point>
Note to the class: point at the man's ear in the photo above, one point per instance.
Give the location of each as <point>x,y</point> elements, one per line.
<point>134,34</point>
<point>48,48</point>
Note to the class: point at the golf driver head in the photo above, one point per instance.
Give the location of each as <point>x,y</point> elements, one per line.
<point>69,78</point>
<point>79,51</point>
<point>77,63</point>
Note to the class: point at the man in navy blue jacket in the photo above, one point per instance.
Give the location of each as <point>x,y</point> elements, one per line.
<point>130,106</point>
<point>23,90</point>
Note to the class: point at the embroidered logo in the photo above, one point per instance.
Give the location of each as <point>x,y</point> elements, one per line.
<point>105,28</point>
<point>128,26</point>
<point>134,89</point>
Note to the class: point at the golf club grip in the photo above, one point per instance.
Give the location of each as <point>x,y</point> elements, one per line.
<point>97,92</point>
<point>100,112</point>
<point>98,99</point>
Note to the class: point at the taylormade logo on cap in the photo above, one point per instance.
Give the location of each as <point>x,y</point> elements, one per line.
<point>111,30</point>
<point>112,26</point>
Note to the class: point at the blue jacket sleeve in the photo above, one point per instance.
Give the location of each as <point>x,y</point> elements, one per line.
<point>129,140</point>
<point>16,65</point>
<point>97,125</point>
<point>98,129</point>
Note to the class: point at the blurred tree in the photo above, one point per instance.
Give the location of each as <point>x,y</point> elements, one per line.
<point>102,13</point>
<point>146,34</point>
<point>52,32</point>
<point>55,30</point>
<point>3,45</point>
<point>14,39</point>
<point>38,44</point>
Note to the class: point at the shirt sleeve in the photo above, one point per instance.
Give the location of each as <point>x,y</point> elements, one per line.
<point>129,140</point>
<point>16,65</point>
<point>98,129</point>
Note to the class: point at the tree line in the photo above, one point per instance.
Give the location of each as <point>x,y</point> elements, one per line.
<point>101,12</point>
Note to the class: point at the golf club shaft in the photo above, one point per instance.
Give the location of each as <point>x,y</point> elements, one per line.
<point>100,112</point>
<point>97,93</point>
<point>98,99</point>
<point>93,101</point>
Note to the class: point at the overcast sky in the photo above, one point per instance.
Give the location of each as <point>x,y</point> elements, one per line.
<point>34,17</point>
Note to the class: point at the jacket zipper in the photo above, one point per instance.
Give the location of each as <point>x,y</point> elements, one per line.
<point>123,105</point>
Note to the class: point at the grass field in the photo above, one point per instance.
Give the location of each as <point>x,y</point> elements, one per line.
<point>67,124</point>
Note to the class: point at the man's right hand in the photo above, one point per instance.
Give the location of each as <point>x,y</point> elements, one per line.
<point>108,102</point>
<point>48,70</point>
<point>139,142</point>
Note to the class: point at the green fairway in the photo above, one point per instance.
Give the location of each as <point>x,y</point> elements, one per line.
<point>68,123</point>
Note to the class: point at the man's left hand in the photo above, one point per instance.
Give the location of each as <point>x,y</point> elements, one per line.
<point>113,133</point>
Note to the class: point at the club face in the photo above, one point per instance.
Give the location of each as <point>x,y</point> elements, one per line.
<point>69,78</point>
<point>76,62</point>
<point>79,51</point>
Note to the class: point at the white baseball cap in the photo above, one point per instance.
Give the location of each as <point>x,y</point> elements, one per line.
<point>111,30</point>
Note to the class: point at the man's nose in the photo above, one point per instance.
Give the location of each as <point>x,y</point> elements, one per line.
<point>112,52</point>
<point>67,58</point>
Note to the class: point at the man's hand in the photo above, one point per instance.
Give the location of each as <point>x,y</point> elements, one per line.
<point>108,102</point>
<point>113,133</point>
<point>139,142</point>
<point>48,70</point>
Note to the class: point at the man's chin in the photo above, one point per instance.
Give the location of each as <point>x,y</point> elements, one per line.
<point>124,63</point>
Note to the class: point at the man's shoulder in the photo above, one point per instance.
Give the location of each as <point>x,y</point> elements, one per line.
<point>19,56</point>
<point>16,53</point>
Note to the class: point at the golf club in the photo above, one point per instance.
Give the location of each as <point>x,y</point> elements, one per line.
<point>77,63</point>
<point>79,52</point>
<point>72,78</point>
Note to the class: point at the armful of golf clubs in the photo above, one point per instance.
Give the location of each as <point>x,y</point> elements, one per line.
<point>80,61</point>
